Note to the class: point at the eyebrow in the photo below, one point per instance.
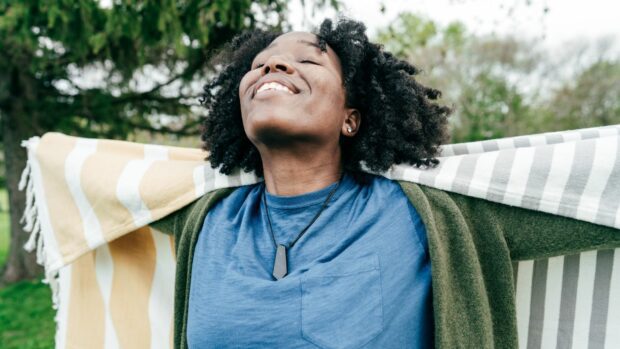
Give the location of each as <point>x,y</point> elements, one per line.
<point>309,43</point>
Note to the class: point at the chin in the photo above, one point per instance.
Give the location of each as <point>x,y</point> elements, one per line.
<point>269,121</point>
<point>270,134</point>
<point>275,132</point>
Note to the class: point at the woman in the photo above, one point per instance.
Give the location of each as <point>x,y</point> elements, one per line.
<point>321,254</point>
<point>303,110</point>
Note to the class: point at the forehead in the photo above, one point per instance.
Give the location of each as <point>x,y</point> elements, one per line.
<point>289,42</point>
<point>295,38</point>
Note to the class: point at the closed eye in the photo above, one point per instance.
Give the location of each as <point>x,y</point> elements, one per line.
<point>302,61</point>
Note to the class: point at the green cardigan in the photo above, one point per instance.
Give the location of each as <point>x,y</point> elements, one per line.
<point>472,244</point>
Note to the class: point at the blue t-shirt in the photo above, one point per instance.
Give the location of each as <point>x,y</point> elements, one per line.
<point>358,278</point>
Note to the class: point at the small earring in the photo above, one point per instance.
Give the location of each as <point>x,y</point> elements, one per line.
<point>349,129</point>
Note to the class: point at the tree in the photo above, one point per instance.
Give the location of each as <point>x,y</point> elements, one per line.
<point>501,86</point>
<point>472,73</point>
<point>151,55</point>
<point>589,99</point>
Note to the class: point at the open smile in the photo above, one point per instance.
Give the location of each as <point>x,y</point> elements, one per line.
<point>275,84</point>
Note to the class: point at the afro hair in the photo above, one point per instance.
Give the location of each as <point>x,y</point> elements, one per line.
<point>401,122</point>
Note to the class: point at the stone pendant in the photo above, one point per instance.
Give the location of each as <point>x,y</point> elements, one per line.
<point>279,267</point>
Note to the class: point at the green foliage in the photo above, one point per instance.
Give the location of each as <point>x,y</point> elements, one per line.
<point>27,316</point>
<point>489,106</point>
<point>407,34</point>
<point>49,47</point>
<point>592,98</point>
<point>499,86</point>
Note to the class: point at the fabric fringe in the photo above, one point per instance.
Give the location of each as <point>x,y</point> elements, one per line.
<point>31,221</point>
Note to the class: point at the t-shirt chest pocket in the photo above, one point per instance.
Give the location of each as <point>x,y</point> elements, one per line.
<point>341,303</point>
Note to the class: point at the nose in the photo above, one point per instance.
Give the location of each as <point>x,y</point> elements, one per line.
<point>277,64</point>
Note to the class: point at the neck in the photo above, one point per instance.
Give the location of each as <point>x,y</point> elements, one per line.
<point>287,173</point>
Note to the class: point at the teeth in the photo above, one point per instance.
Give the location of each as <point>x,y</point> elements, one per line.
<point>273,86</point>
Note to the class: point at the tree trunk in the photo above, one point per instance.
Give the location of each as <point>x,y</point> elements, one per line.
<point>17,126</point>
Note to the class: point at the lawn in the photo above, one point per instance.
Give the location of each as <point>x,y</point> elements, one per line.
<point>26,314</point>
<point>4,236</point>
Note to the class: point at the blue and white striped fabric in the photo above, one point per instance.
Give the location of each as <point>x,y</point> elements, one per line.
<point>572,173</point>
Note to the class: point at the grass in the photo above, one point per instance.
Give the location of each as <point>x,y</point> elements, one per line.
<point>4,236</point>
<point>4,226</point>
<point>26,314</point>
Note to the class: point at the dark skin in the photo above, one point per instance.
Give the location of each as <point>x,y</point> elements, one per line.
<point>296,126</point>
<point>402,123</point>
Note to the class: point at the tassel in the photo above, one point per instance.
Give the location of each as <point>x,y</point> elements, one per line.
<point>32,224</point>
<point>25,176</point>
<point>40,250</point>
<point>27,182</point>
<point>35,234</point>
<point>29,216</point>
<point>51,279</point>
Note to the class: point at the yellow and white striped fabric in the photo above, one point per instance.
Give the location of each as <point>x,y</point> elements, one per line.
<point>90,202</point>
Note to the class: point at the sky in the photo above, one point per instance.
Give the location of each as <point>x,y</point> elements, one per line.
<point>564,21</point>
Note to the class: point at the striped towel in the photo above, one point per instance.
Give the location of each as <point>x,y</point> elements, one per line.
<point>90,202</point>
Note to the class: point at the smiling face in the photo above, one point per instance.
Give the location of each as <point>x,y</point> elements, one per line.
<point>294,92</point>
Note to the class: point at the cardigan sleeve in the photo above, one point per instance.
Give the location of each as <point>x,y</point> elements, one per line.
<point>169,224</point>
<point>530,234</point>
<point>174,223</point>
<point>533,234</point>
<point>472,242</point>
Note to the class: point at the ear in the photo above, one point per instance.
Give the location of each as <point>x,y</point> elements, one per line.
<point>352,121</point>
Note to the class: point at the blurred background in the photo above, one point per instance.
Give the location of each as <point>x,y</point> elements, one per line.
<point>134,70</point>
